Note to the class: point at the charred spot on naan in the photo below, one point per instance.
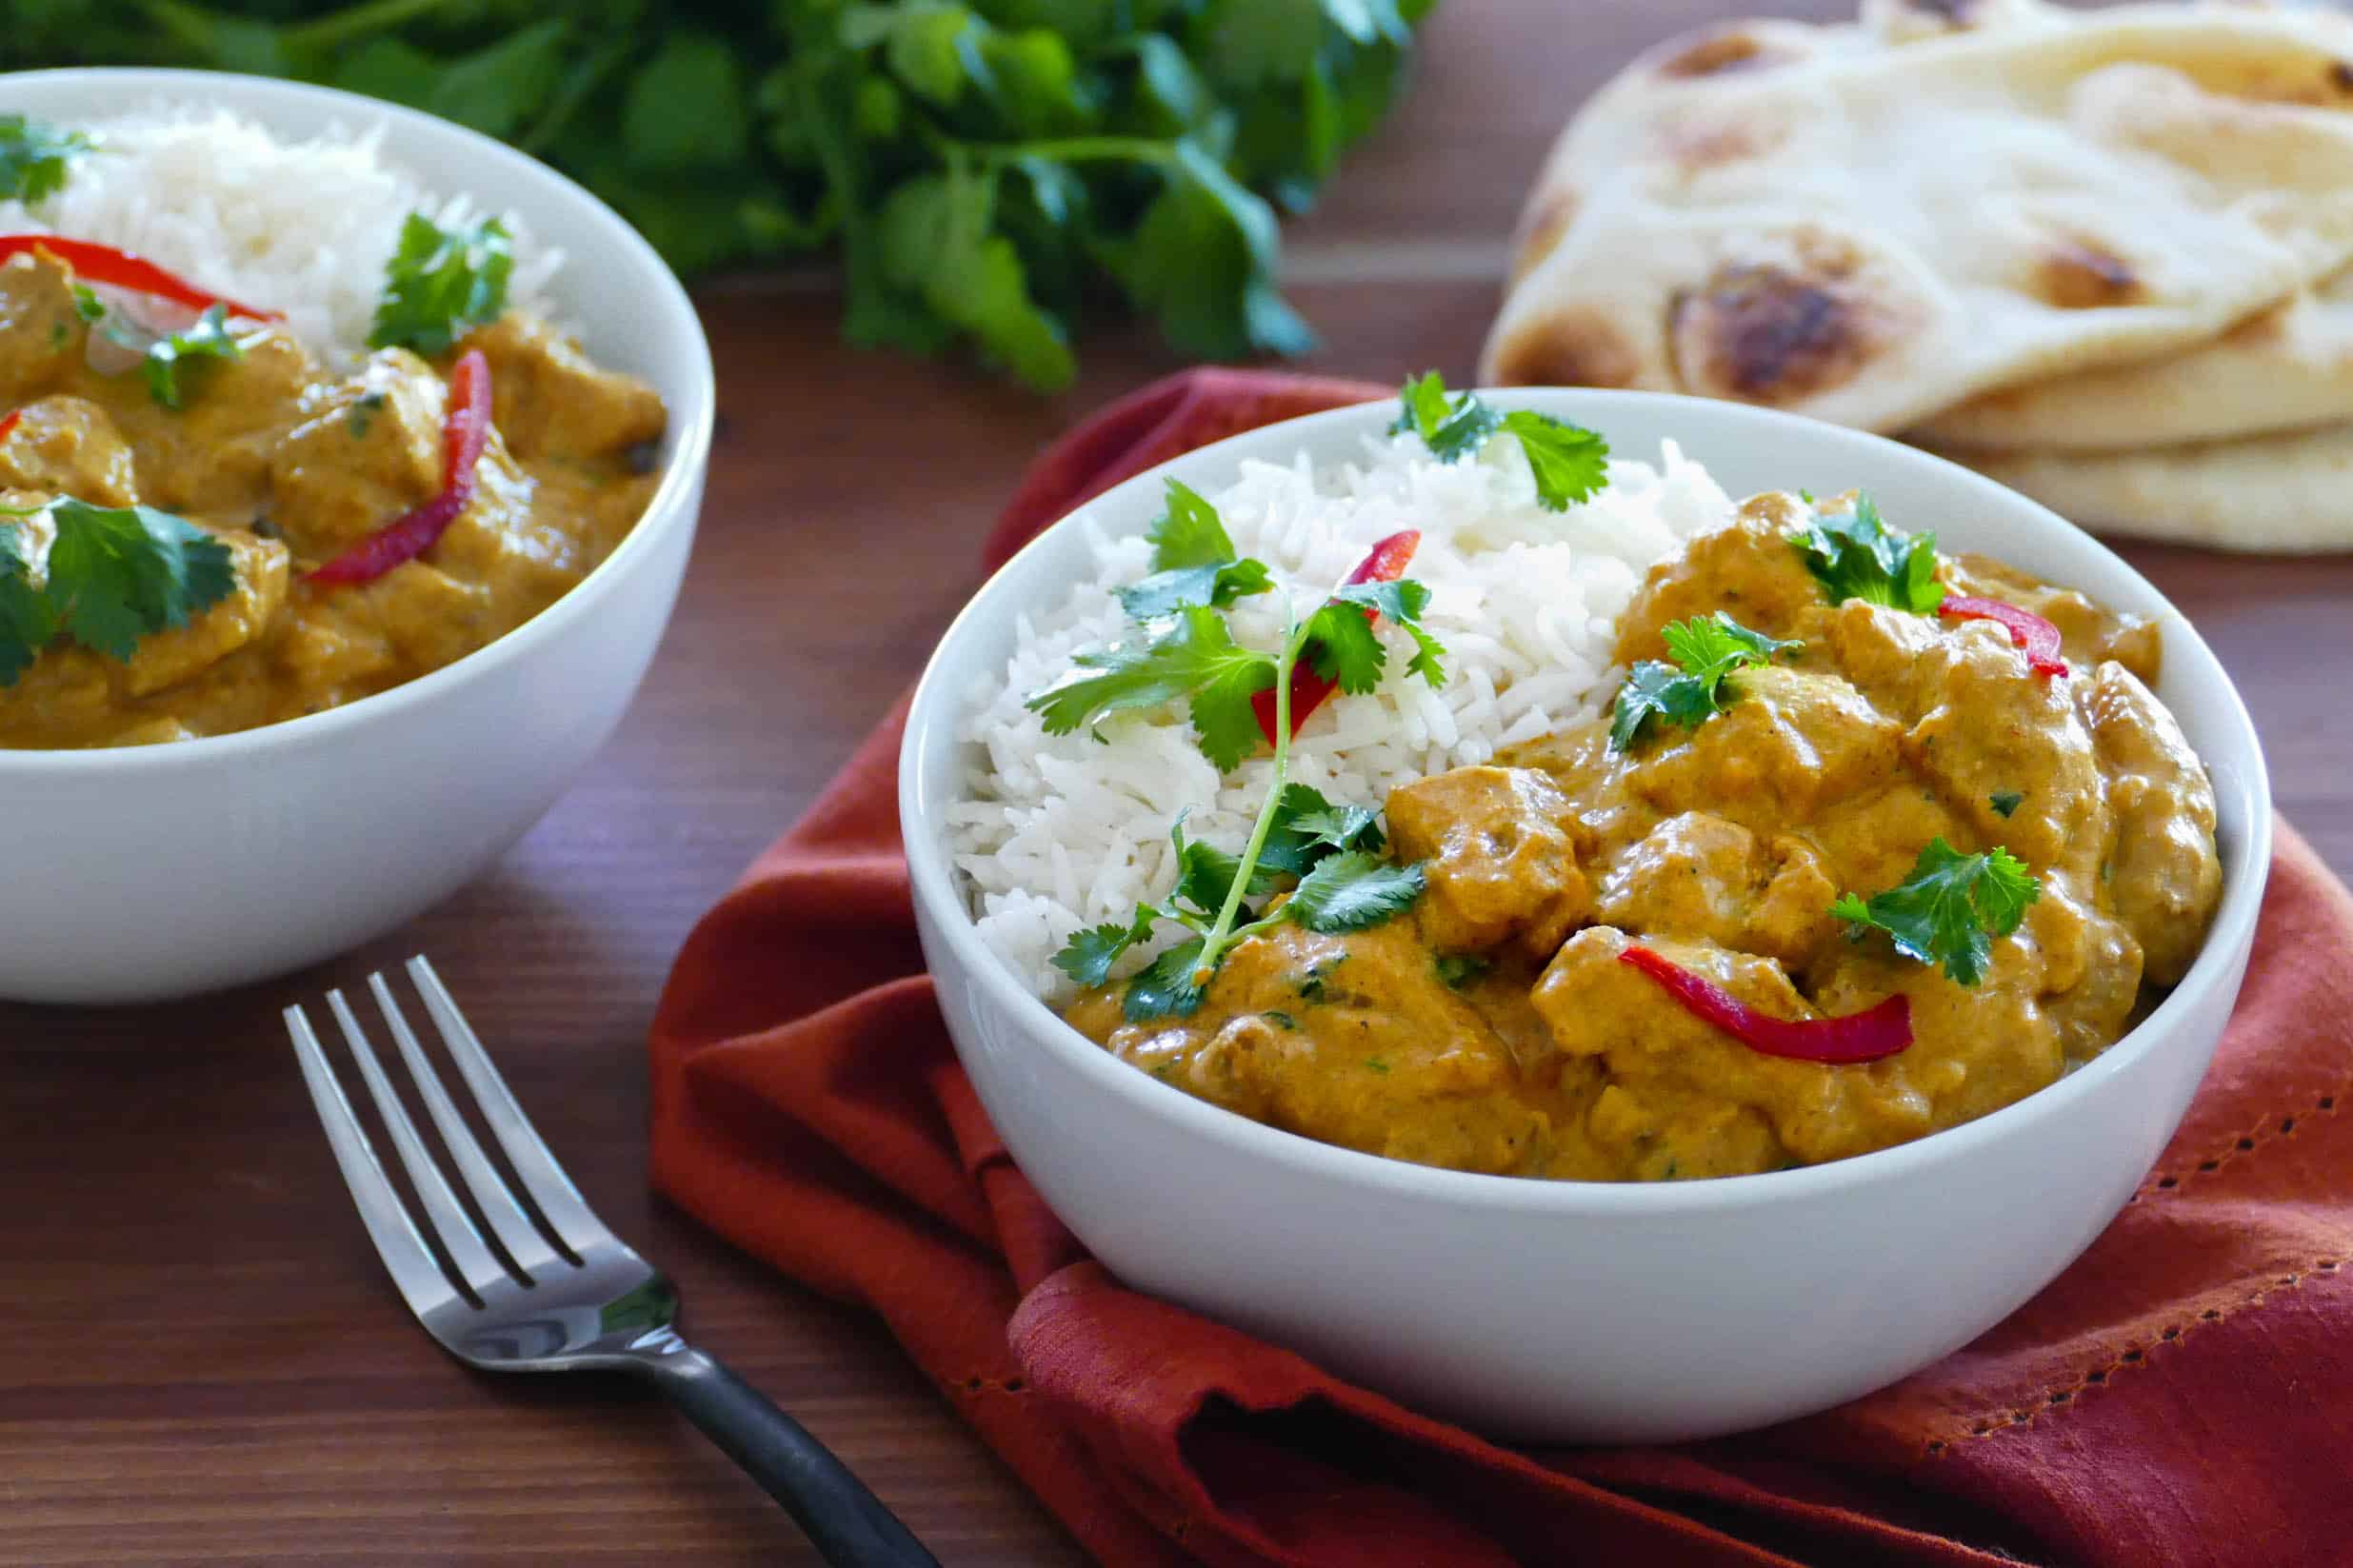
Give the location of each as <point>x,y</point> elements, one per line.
<point>2078,275</point>
<point>1694,143</point>
<point>1717,50</point>
<point>1543,223</point>
<point>1782,329</point>
<point>1568,347</point>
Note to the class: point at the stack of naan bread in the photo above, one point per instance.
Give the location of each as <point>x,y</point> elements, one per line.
<point>2104,256</point>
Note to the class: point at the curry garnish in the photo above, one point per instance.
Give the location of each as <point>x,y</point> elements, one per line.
<point>1569,462</point>
<point>2006,801</point>
<point>1456,970</point>
<point>2030,633</point>
<point>440,283</point>
<point>1950,908</point>
<point>1706,650</point>
<point>34,157</point>
<point>1880,1030</point>
<point>1385,563</point>
<point>464,431</point>
<point>169,360</point>
<point>114,575</point>
<point>1332,850</point>
<point>1856,555</point>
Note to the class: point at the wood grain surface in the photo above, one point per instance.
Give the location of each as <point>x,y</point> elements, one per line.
<point>200,1360</point>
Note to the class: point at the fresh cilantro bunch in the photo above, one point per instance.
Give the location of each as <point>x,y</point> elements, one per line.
<point>1186,653</point>
<point>114,575</point>
<point>440,284</point>
<point>1706,649</point>
<point>996,174</point>
<point>1950,909</point>
<point>34,157</point>
<point>1570,462</point>
<point>1856,555</point>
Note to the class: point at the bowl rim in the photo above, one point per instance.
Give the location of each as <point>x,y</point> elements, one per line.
<point>941,694</point>
<point>667,509</point>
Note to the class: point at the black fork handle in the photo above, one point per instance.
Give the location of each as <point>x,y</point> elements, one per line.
<point>847,1523</point>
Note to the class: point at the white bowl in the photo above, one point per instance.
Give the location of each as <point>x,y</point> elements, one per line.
<point>1567,1311</point>
<point>151,872</point>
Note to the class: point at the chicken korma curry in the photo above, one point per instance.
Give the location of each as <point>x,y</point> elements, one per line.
<point>206,531</point>
<point>1872,842</point>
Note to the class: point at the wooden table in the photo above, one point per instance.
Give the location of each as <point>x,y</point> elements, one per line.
<point>200,1359</point>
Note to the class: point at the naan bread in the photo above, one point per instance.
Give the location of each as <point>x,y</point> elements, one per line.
<point>2288,492</point>
<point>1872,223</point>
<point>2289,368</point>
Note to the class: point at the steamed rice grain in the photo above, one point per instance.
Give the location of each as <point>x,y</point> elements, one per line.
<point>1059,832</point>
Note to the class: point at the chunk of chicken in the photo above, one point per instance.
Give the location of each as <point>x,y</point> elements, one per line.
<point>1498,858</point>
<point>40,332</point>
<point>367,451</point>
<point>2164,877</point>
<point>1747,570</point>
<point>551,401</point>
<point>67,446</point>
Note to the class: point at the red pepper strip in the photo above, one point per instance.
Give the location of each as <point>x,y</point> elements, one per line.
<point>1867,1035</point>
<point>1387,563</point>
<point>462,432</point>
<point>121,269</point>
<point>8,422</point>
<point>2028,629</point>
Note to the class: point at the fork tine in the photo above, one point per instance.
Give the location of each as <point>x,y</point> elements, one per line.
<point>521,1239</point>
<point>419,1279</point>
<point>474,1263</point>
<point>567,1211</point>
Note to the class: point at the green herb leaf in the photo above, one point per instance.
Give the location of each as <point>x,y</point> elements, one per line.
<point>1452,429</point>
<point>1856,555</point>
<point>34,157</point>
<point>1307,828</point>
<point>1950,908</point>
<point>114,576</point>
<point>1197,660</point>
<point>1165,987</point>
<point>2004,802</point>
<point>1456,970</point>
<point>1203,262</point>
<point>1206,875</point>
<point>1188,533</point>
<point>1345,645</point>
<point>1090,953</point>
<point>1217,584</point>
<point>1570,462</point>
<point>1352,890</point>
<point>87,305</point>
<point>170,359</point>
<point>1706,649</point>
<point>440,284</point>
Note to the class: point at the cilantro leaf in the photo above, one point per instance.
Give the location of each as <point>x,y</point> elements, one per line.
<point>1090,953</point>
<point>1345,645</point>
<point>1950,908</point>
<point>440,284</point>
<point>1196,660</point>
<point>1189,533</point>
<point>114,576</point>
<point>87,304</point>
<point>2006,801</point>
<point>1352,890</point>
<point>1706,649</point>
<point>1570,462</point>
<point>1307,826</point>
<point>1217,583</point>
<point>1206,875</point>
<point>26,622</point>
<point>1856,555</point>
<point>1451,430</point>
<point>207,339</point>
<point>1456,970</point>
<point>34,155</point>
<point>1165,987</point>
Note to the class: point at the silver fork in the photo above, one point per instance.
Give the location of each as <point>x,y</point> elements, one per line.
<point>570,1298</point>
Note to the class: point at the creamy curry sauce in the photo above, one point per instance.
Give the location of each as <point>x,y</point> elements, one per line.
<point>1722,848</point>
<point>290,467</point>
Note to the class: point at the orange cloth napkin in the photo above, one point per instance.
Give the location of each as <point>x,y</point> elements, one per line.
<point>2182,1394</point>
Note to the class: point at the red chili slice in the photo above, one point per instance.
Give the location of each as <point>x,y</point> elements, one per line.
<point>1386,564</point>
<point>8,422</point>
<point>2027,630</point>
<point>121,269</point>
<point>464,430</point>
<point>1875,1032</point>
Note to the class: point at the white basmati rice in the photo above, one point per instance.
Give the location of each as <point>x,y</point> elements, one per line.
<point>303,226</point>
<point>1057,832</point>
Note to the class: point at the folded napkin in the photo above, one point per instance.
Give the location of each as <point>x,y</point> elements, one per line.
<point>2182,1394</point>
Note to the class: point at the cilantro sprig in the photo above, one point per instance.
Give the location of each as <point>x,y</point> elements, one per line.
<point>35,156</point>
<point>1950,909</point>
<point>1569,462</point>
<point>441,282</point>
<point>169,359</point>
<point>1328,853</point>
<point>1341,885</point>
<point>114,575</point>
<point>1856,555</point>
<point>1706,649</point>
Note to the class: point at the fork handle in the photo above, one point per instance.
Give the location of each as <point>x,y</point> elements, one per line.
<point>847,1523</point>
